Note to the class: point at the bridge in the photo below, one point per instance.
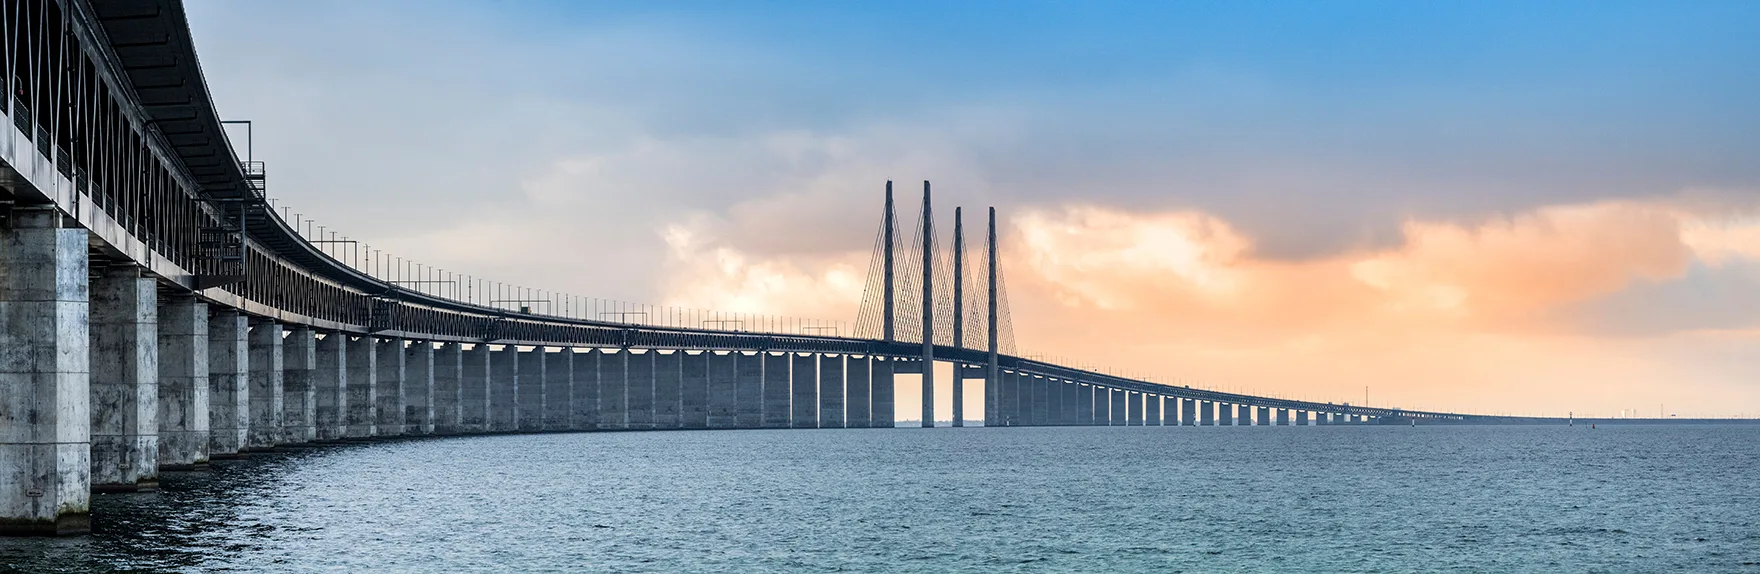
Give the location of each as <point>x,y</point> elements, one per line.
<point>157,313</point>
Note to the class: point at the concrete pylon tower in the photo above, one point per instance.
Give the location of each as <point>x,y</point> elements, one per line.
<point>928,310</point>
<point>959,316</point>
<point>887,318</point>
<point>993,404</point>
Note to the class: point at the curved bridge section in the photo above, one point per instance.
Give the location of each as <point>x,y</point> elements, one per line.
<point>158,315</point>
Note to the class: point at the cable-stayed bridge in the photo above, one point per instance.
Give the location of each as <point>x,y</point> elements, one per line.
<point>160,312</point>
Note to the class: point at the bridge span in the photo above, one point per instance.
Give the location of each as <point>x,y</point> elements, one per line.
<point>156,313</point>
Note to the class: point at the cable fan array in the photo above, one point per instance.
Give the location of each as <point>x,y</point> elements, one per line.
<point>903,256</point>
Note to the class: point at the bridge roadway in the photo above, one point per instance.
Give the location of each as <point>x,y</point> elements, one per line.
<point>155,314</point>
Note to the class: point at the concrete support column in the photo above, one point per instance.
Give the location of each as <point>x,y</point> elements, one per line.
<point>299,363</point>
<point>389,371</point>
<point>614,389</point>
<point>856,384</point>
<point>228,378</point>
<point>749,393</point>
<point>330,384</point>
<point>1133,409</point>
<point>640,391</point>
<point>723,383</point>
<point>45,377</point>
<point>1085,404</point>
<point>418,388</point>
<point>559,390</point>
<point>448,376</point>
<point>267,387</point>
<point>1282,417</point>
<point>475,379</point>
<point>776,391</point>
<point>1072,402</point>
<point>1005,400</point>
<point>124,381</point>
<point>183,383</point>
<point>504,389</point>
<point>1206,413</point>
<point>1263,414</point>
<point>668,388</point>
<point>530,393</point>
<point>881,408</point>
<point>1024,396</point>
<point>1041,398</point>
<point>831,391</point>
<point>1307,418</point>
<point>362,414</point>
<point>1188,412</point>
<point>586,389</point>
<point>1224,415</point>
<point>693,391</point>
<point>1243,415</point>
<point>1152,411</point>
<point>805,378</point>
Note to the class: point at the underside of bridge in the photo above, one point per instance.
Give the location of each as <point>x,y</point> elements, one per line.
<point>156,316</point>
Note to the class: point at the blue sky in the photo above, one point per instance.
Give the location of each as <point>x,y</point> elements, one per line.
<point>651,145</point>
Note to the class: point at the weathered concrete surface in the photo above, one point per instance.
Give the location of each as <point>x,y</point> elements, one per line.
<point>299,361</point>
<point>831,389</point>
<point>639,390</point>
<point>880,409</point>
<point>613,389</point>
<point>183,383</point>
<point>362,413</point>
<point>531,390</point>
<point>504,389</point>
<point>805,378</point>
<point>856,397</point>
<point>447,398</point>
<point>776,391</point>
<point>330,384</point>
<point>750,399</point>
<point>124,381</point>
<point>586,389</point>
<point>693,391</point>
<point>229,395</point>
<point>723,379</point>
<point>668,390</point>
<point>418,388</point>
<point>45,378</point>
<point>267,387</point>
<point>473,390</point>
<point>389,369</point>
<point>559,390</point>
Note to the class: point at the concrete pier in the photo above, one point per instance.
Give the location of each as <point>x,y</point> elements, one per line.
<point>639,390</point>
<point>1243,415</point>
<point>1085,405</point>
<point>1072,401</point>
<point>45,377</point>
<point>881,408</point>
<point>723,390</point>
<point>529,395</point>
<point>776,391</point>
<point>586,389</point>
<point>362,415</point>
<point>1152,410</point>
<point>388,401</point>
<point>1134,409</point>
<point>693,391</point>
<point>559,390</point>
<point>668,389</point>
<point>183,383</point>
<point>228,379</point>
<point>804,380</point>
<point>1263,416</point>
<point>1041,400</point>
<point>448,389</point>
<point>1120,410</point>
<point>475,373</point>
<point>1188,412</point>
<point>124,381</point>
<point>1224,414</point>
<point>856,402</point>
<point>418,388</point>
<point>267,387</point>
<point>299,362</point>
<point>330,387</point>
<point>504,389</point>
<point>613,389</point>
<point>749,391</point>
<point>831,391</point>
<point>1282,417</point>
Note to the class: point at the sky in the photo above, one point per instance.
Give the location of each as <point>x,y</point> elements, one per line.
<point>1506,207</point>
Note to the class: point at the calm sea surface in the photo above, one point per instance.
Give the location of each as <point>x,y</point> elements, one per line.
<point>1317,499</point>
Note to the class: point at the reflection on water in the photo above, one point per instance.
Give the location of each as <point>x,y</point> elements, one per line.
<point>1072,499</point>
